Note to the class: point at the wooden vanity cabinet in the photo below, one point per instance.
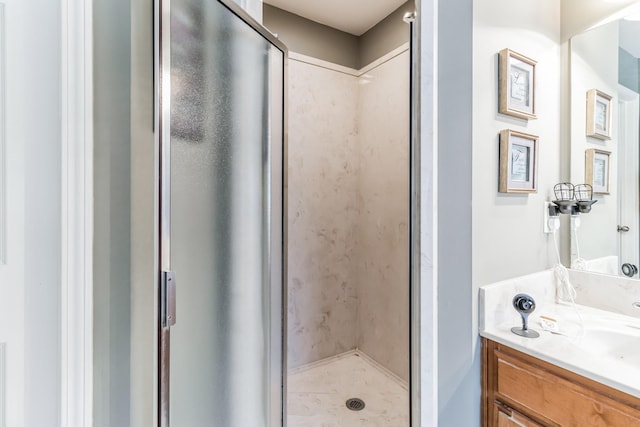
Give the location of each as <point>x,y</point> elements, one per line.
<point>519,390</point>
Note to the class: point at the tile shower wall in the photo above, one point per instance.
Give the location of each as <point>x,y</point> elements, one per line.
<point>383,190</point>
<point>348,211</point>
<point>323,212</point>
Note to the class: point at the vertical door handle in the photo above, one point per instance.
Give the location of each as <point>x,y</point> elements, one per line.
<point>168,299</point>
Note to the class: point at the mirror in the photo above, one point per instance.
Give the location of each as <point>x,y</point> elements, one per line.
<point>605,123</point>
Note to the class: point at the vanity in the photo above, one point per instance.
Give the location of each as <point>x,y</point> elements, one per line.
<point>521,390</point>
<point>586,375</point>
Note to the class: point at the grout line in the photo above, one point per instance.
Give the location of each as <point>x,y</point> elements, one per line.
<point>310,60</point>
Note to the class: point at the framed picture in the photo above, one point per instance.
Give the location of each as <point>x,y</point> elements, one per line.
<point>518,162</point>
<point>598,114</point>
<point>596,170</point>
<point>517,81</point>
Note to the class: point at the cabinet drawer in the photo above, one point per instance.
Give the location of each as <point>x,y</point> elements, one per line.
<point>555,399</point>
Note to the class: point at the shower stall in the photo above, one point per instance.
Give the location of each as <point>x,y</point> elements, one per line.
<point>223,288</point>
<point>348,220</point>
<point>348,216</point>
<point>213,294</point>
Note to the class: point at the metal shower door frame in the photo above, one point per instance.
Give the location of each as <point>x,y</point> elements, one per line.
<point>162,92</point>
<point>162,114</point>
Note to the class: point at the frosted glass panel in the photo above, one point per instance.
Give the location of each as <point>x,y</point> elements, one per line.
<point>226,129</point>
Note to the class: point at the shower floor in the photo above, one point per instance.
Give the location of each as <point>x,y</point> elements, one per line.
<point>317,393</point>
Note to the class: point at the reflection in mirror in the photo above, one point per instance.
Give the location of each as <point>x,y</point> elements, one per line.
<point>605,61</point>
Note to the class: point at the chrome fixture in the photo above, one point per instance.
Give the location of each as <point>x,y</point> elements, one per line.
<point>629,270</point>
<point>409,17</point>
<point>524,304</point>
<point>571,199</point>
<point>355,404</point>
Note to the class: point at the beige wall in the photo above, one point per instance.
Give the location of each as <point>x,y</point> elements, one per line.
<point>323,213</point>
<point>320,41</point>
<point>312,39</point>
<point>348,213</point>
<point>383,190</point>
<point>385,36</point>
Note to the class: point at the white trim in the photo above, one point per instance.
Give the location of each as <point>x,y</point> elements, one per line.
<point>77,215</point>
<point>428,26</point>
<point>347,70</point>
<point>323,64</point>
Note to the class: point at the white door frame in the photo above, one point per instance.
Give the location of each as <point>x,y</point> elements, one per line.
<point>77,214</point>
<point>425,276</point>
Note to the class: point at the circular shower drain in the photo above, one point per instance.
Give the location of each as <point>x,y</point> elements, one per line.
<point>355,404</point>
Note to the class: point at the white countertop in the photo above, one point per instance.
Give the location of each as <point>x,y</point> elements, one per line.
<point>607,350</point>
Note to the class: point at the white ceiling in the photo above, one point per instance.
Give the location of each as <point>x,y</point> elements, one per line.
<point>351,16</point>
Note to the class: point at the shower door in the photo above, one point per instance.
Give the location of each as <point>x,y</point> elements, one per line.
<point>221,121</point>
